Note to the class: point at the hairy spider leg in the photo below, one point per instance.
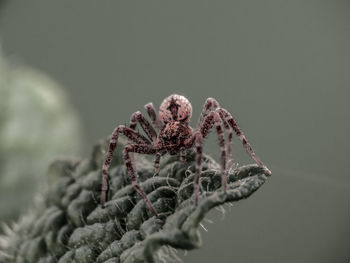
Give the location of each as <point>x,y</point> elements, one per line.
<point>212,119</point>
<point>229,144</point>
<point>146,126</point>
<point>157,162</point>
<point>241,136</point>
<point>152,113</point>
<point>198,143</point>
<point>210,105</point>
<point>182,154</point>
<point>131,135</point>
<point>138,148</point>
<point>148,129</point>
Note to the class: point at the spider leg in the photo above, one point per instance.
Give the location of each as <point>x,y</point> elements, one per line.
<point>182,154</point>
<point>214,119</point>
<point>156,121</point>
<point>210,120</point>
<point>131,135</point>
<point>198,143</point>
<point>138,148</point>
<point>157,162</point>
<point>233,124</point>
<point>210,105</point>
<point>146,126</point>
<point>229,144</point>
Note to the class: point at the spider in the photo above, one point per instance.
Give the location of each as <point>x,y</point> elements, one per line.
<point>172,134</point>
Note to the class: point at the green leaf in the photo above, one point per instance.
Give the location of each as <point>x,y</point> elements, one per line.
<point>70,226</point>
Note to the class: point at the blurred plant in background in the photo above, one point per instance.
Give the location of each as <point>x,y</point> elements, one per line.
<point>37,124</point>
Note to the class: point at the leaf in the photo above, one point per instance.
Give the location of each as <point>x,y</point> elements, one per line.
<point>70,226</point>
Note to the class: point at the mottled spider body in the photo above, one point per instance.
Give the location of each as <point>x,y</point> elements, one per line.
<point>172,134</point>
<point>173,137</point>
<point>175,112</point>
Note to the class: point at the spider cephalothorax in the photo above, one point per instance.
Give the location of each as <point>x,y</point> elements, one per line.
<point>172,134</point>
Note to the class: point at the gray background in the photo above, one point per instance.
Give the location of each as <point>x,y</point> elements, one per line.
<point>280,67</point>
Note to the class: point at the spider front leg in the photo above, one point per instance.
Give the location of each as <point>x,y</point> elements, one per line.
<point>156,121</point>
<point>137,117</point>
<point>138,148</point>
<point>131,135</point>
<point>157,162</point>
<point>233,124</point>
<point>148,129</point>
<point>211,105</point>
<point>182,155</point>
<point>214,119</point>
<point>146,126</point>
<point>198,143</point>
